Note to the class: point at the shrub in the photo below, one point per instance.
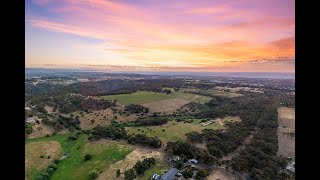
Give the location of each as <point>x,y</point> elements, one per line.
<point>93,174</point>
<point>72,137</point>
<point>118,173</point>
<point>87,157</point>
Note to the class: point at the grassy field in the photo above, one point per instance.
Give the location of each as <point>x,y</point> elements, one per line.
<point>143,97</point>
<point>104,153</point>
<point>139,97</point>
<point>158,168</point>
<point>174,131</point>
<point>192,97</point>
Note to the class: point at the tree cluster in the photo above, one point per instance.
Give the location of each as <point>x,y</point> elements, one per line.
<point>133,108</point>
<point>139,168</point>
<point>145,140</point>
<point>189,151</point>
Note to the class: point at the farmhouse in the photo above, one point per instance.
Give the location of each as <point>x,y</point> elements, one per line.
<point>194,161</point>
<point>31,120</point>
<point>170,174</point>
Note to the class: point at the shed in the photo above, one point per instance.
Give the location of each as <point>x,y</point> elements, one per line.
<point>194,161</point>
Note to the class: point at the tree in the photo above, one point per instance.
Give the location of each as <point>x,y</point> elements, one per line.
<point>129,174</point>
<point>87,157</point>
<point>93,174</point>
<point>118,173</point>
<point>92,121</point>
<point>202,173</point>
<point>178,165</point>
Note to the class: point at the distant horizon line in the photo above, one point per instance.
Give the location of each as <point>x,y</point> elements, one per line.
<point>115,71</point>
<point>271,75</point>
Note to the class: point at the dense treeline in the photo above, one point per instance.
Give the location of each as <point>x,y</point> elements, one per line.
<point>117,132</point>
<point>259,117</point>
<point>139,168</point>
<point>104,87</point>
<point>108,132</point>
<point>133,108</point>
<point>145,140</point>
<point>187,151</point>
<point>69,102</point>
<point>220,143</point>
<point>60,122</point>
<point>259,157</point>
<point>152,121</point>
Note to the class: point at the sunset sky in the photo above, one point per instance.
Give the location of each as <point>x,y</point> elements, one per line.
<point>161,35</point>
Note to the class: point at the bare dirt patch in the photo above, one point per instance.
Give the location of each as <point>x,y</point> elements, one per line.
<point>49,109</point>
<point>221,175</point>
<point>33,150</point>
<point>286,117</point>
<point>129,162</point>
<point>168,105</point>
<point>286,132</point>
<point>40,130</point>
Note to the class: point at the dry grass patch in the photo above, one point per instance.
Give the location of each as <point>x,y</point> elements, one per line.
<point>169,105</point>
<point>129,161</point>
<point>222,175</point>
<point>33,162</point>
<point>40,130</point>
<point>286,132</point>
<point>231,119</point>
<point>286,117</point>
<point>102,117</point>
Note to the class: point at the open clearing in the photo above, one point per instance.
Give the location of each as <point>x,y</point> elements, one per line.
<point>40,130</point>
<point>192,97</point>
<point>104,153</point>
<point>102,117</point>
<point>146,97</point>
<point>128,162</point>
<point>221,175</point>
<point>286,132</point>
<point>140,97</point>
<point>173,131</point>
<point>159,102</point>
<point>166,106</point>
<point>231,119</point>
<point>33,163</point>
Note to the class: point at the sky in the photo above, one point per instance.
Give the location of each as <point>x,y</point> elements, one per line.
<point>161,35</point>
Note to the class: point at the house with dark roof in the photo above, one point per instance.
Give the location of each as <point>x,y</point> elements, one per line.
<point>170,174</point>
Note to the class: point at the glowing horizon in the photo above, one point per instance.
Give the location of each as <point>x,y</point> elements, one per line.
<point>161,35</point>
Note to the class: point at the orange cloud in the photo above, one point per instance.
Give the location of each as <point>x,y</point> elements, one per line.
<point>139,34</point>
